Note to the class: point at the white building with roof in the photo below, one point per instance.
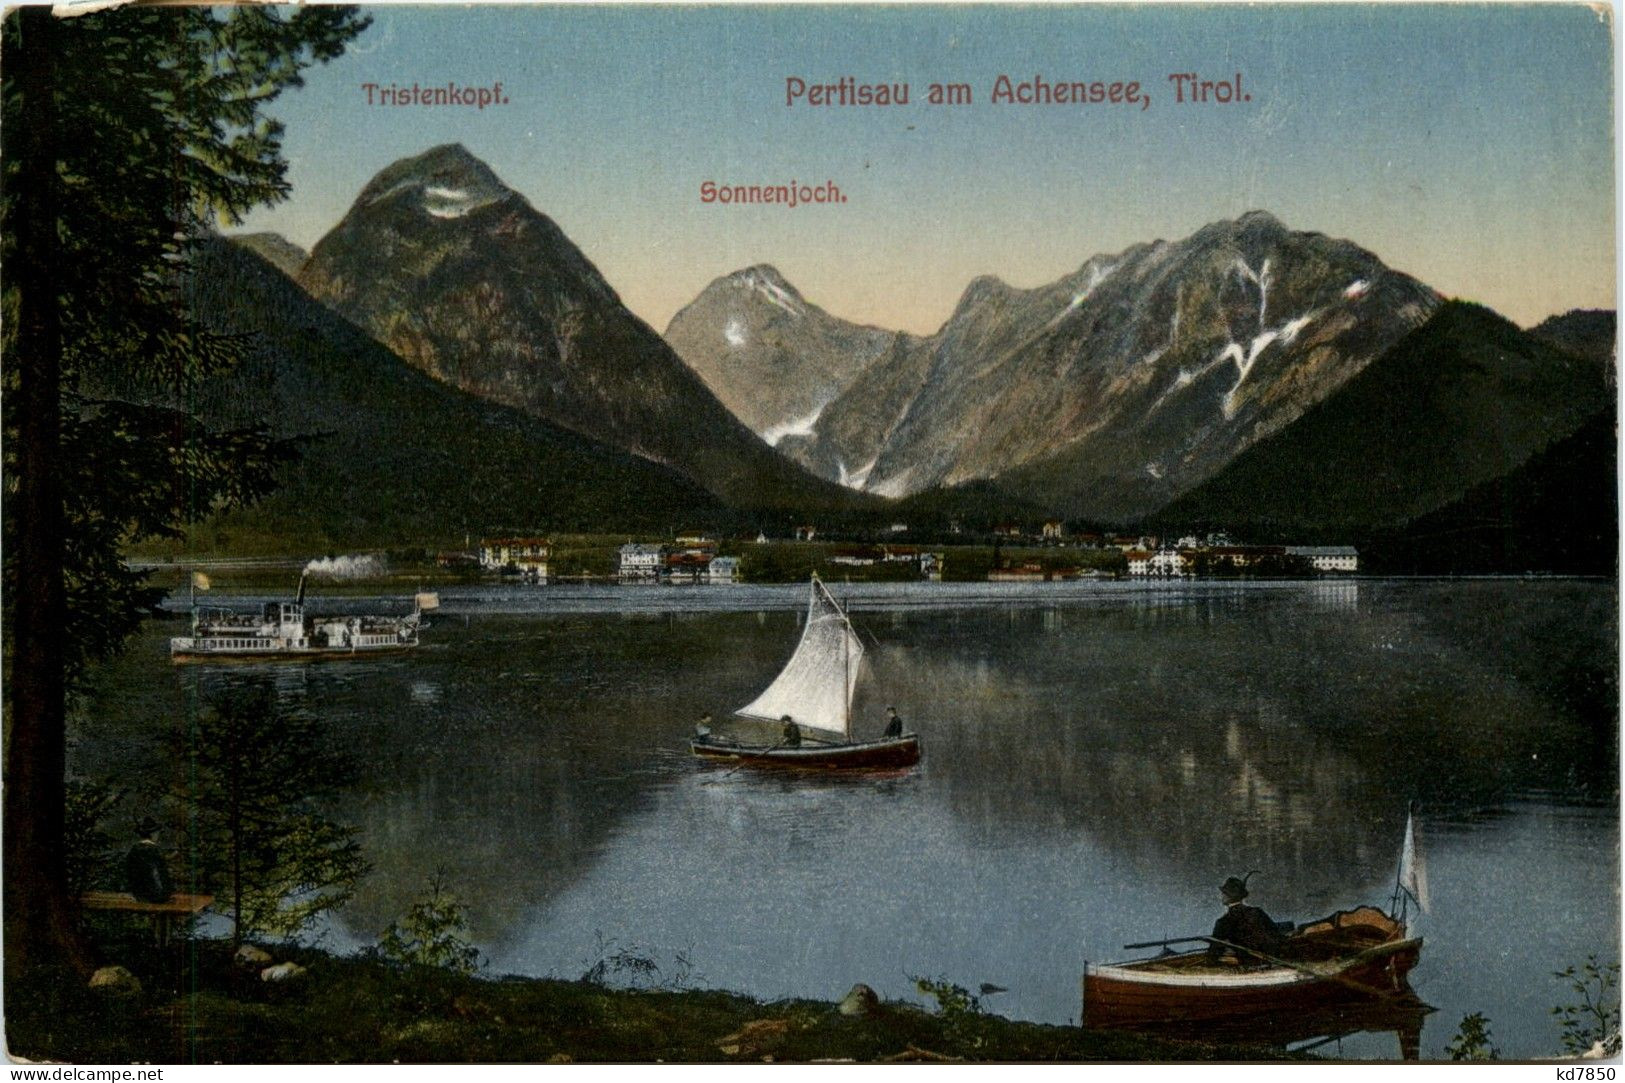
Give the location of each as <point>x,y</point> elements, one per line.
<point>640,561</point>
<point>527,556</point>
<point>1335,559</point>
<point>1169,562</point>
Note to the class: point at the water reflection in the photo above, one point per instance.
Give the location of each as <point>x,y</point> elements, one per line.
<point>1341,595</point>
<point>1386,1030</point>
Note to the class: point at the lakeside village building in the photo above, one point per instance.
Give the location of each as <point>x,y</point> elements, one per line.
<point>1181,561</point>
<point>526,557</point>
<point>1151,556</point>
<point>690,560</point>
<point>928,564</point>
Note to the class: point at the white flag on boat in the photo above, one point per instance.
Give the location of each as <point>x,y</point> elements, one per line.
<point>1413,875</point>
<point>427,599</point>
<point>200,581</point>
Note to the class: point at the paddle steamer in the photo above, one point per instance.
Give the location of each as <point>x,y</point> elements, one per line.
<point>285,630</point>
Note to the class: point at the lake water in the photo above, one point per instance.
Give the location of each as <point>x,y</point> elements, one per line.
<point>1098,757</point>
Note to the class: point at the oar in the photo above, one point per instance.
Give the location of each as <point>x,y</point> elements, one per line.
<point>1165,943</point>
<point>742,763</point>
<point>1350,983</point>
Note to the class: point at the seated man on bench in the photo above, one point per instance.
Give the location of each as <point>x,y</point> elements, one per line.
<point>145,871</point>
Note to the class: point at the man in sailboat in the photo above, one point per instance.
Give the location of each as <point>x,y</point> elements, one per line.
<point>894,723</point>
<point>791,738</point>
<point>1248,928</point>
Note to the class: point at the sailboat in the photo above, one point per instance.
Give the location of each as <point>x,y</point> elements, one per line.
<point>814,690</point>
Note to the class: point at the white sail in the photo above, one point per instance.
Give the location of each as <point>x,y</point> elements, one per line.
<point>815,686</point>
<point>1413,876</point>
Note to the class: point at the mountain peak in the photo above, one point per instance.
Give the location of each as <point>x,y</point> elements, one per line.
<point>447,181</point>
<point>1255,225</point>
<point>982,288</point>
<point>1258,217</point>
<point>765,279</point>
<point>761,274</point>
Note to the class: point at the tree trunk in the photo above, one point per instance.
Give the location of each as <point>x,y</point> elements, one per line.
<point>235,822</point>
<point>40,916</point>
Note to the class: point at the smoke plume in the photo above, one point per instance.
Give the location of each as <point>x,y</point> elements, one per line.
<point>357,567</point>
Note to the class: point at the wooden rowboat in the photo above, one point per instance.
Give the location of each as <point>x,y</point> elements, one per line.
<point>1359,955</point>
<point>889,752</point>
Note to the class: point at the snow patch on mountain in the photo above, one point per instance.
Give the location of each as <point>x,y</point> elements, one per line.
<point>391,190</point>
<point>774,292</point>
<point>1261,279</point>
<point>1173,336</point>
<point>1182,380</point>
<point>1356,289</point>
<point>856,479</point>
<point>1098,273</point>
<point>735,333</point>
<point>796,426</point>
<point>452,202</point>
<point>1245,359</point>
<point>895,486</point>
<point>1290,330</point>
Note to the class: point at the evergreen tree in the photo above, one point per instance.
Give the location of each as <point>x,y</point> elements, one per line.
<point>257,778</point>
<point>128,134</point>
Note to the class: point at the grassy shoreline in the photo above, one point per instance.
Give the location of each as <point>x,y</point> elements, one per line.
<point>197,1006</point>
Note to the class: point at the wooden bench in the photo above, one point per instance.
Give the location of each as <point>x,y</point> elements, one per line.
<point>162,914</point>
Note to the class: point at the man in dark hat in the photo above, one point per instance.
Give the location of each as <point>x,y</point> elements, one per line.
<point>1243,927</point>
<point>144,868</point>
<point>791,735</point>
<point>894,724</point>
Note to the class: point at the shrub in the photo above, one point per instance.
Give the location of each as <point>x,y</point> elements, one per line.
<point>1473,1040</point>
<point>1595,1019</point>
<point>432,933</point>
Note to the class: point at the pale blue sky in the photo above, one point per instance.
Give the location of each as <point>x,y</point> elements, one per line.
<point>1469,145</point>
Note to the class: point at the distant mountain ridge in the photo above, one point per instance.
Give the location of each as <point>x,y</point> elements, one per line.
<point>459,275</point>
<point>1589,332</point>
<point>1110,391</point>
<point>1249,375</point>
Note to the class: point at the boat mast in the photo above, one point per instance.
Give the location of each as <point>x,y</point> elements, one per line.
<point>1399,892</point>
<point>846,668</point>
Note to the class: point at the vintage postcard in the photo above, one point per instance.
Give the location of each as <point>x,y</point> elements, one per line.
<point>778,533</point>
